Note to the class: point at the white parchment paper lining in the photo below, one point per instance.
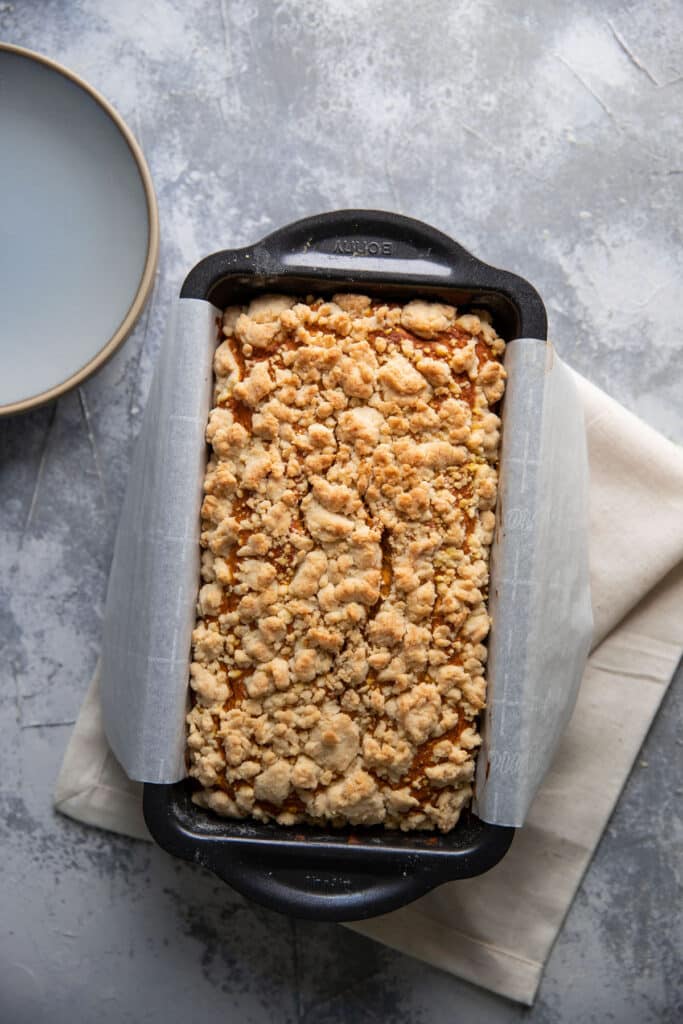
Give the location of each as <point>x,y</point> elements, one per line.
<point>539,591</point>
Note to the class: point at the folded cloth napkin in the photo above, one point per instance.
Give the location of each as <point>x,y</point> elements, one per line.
<point>497,930</point>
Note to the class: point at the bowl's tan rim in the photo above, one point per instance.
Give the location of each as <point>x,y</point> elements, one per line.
<point>147,279</point>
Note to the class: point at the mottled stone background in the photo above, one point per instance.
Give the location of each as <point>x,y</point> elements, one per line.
<point>546,138</point>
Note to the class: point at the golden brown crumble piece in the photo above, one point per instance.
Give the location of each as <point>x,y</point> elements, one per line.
<point>338,657</point>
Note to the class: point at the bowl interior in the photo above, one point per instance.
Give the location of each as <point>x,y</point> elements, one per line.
<point>77,231</point>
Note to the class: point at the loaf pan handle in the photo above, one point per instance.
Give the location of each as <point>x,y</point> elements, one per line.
<point>374,249</point>
<point>366,242</point>
<point>311,878</point>
<point>319,893</point>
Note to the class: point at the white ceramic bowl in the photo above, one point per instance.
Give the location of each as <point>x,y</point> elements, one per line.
<point>79,230</point>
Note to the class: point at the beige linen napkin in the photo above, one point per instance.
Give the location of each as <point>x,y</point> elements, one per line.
<point>498,930</point>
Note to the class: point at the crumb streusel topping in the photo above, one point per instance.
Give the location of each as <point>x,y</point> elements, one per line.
<point>338,658</point>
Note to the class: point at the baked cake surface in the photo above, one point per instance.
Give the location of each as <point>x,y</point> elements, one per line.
<point>338,657</point>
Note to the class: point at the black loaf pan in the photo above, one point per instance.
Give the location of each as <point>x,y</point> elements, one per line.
<point>353,873</point>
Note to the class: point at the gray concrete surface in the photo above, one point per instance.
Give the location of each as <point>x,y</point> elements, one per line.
<point>545,137</point>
